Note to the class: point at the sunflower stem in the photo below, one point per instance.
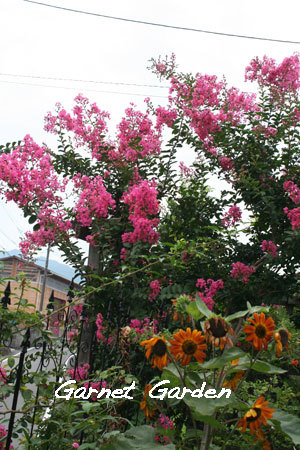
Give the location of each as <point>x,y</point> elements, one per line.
<point>182,378</point>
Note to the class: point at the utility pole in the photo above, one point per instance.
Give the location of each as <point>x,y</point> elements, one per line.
<point>87,329</point>
<point>45,279</point>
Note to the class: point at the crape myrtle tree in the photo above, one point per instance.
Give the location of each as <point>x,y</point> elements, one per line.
<point>124,197</point>
<point>160,233</point>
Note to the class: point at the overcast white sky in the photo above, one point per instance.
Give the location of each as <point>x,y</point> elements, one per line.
<point>40,41</point>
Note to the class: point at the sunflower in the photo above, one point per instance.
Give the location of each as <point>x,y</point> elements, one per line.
<point>282,338</point>
<point>187,344</point>
<point>179,304</point>
<point>261,331</point>
<point>234,380</point>
<point>262,438</point>
<point>256,416</point>
<point>145,405</point>
<point>156,349</point>
<point>217,330</point>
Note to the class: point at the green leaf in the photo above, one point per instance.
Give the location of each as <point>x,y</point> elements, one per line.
<point>220,361</point>
<point>202,307</point>
<point>140,437</point>
<point>171,373</point>
<point>237,315</point>
<point>32,219</point>
<point>26,394</point>
<point>88,445</point>
<point>11,362</point>
<point>260,366</point>
<point>288,423</point>
<point>207,406</point>
<point>193,310</point>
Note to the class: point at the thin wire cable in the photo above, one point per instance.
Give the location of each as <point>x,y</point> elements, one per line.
<point>10,218</point>
<point>163,25</point>
<point>81,88</point>
<point>7,237</point>
<point>83,81</point>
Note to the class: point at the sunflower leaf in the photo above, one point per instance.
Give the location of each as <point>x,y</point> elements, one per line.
<point>207,406</point>
<point>202,307</point>
<point>225,358</point>
<point>261,366</point>
<point>288,423</point>
<point>138,437</point>
<point>193,310</point>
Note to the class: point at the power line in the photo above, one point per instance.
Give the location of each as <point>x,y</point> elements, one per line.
<point>162,25</point>
<point>91,90</point>
<point>83,81</point>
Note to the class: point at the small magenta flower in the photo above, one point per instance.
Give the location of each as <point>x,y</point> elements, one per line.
<point>75,445</point>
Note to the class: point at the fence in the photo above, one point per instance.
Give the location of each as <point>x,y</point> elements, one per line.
<point>69,342</point>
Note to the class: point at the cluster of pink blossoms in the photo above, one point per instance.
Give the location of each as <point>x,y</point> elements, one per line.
<point>98,385</point>
<point>165,422</point>
<point>3,375</point>
<point>31,180</point>
<point>3,433</point>
<point>29,174</point>
<point>165,117</point>
<point>155,288</point>
<point>100,327</point>
<point>293,191</point>
<point>226,163</point>
<point>210,288</point>
<point>280,78</point>
<point>142,201</point>
<point>81,373</point>
<point>232,216</point>
<point>88,124</point>
<point>143,326</point>
<point>269,247</point>
<point>137,137</point>
<point>294,194</point>
<point>184,170</point>
<point>241,271</point>
<point>94,200</point>
<point>293,216</point>
<point>52,223</point>
<point>208,104</point>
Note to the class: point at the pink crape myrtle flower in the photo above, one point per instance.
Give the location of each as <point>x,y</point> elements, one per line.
<point>210,288</point>
<point>94,200</point>
<point>3,433</point>
<point>294,217</point>
<point>81,373</point>
<point>165,422</point>
<point>232,216</point>
<point>155,288</point>
<point>98,385</point>
<point>3,375</point>
<point>269,247</point>
<point>293,191</point>
<point>241,271</point>
<point>165,117</point>
<point>226,163</point>
<point>142,201</point>
<point>100,327</point>
<point>280,78</point>
<point>137,137</point>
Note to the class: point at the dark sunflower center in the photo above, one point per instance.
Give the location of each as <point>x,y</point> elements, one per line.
<point>189,347</point>
<point>253,418</point>
<point>260,331</point>
<point>284,337</point>
<point>218,327</point>
<point>159,349</point>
